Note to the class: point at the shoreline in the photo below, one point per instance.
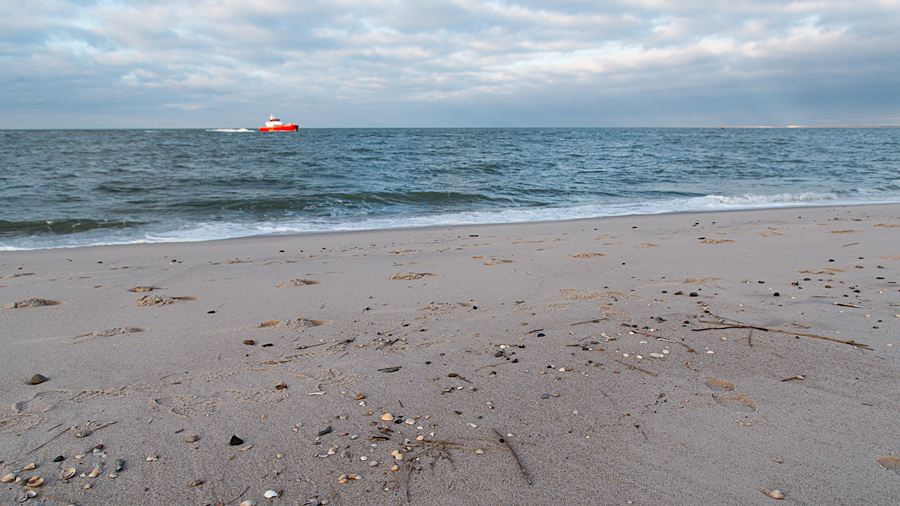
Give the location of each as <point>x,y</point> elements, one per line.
<point>678,358</point>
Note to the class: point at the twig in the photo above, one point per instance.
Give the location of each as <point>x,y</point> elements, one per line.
<point>636,367</point>
<point>497,440</point>
<point>491,365</point>
<point>851,343</point>
<point>591,321</point>
<point>519,462</point>
<point>454,375</point>
<point>750,338</point>
<point>239,495</point>
<point>677,342</point>
<point>45,443</point>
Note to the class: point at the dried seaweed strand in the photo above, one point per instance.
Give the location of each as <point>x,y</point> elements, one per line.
<point>516,455</point>
<point>764,329</point>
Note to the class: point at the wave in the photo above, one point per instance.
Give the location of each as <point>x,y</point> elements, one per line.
<point>79,233</point>
<point>232,130</point>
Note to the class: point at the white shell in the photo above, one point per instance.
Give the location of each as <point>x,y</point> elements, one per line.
<point>248,502</point>
<point>776,494</point>
<point>67,473</point>
<point>8,478</point>
<point>270,494</point>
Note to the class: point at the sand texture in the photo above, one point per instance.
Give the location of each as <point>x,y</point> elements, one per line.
<point>665,360</point>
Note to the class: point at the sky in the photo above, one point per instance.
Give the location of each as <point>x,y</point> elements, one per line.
<point>448,63</point>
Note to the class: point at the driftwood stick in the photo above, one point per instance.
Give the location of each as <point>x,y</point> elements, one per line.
<point>636,367</point>
<point>518,461</point>
<point>48,441</point>
<point>764,329</point>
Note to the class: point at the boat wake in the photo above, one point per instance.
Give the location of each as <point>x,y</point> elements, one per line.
<point>231,130</point>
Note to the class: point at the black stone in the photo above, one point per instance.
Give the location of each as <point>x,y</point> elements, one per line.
<point>236,441</point>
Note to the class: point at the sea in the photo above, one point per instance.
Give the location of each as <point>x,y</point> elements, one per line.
<point>77,188</point>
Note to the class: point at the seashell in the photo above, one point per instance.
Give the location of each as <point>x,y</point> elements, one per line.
<point>248,502</point>
<point>67,473</point>
<point>31,494</point>
<point>30,467</point>
<point>34,481</point>
<point>120,464</point>
<point>37,379</point>
<point>776,494</point>
<point>270,494</point>
<point>151,458</point>
<point>8,478</point>
<point>113,475</point>
<point>387,417</point>
<point>95,473</point>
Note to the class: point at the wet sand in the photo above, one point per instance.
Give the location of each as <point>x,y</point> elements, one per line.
<point>676,359</point>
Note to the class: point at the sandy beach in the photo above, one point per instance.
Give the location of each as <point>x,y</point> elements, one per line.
<point>715,358</point>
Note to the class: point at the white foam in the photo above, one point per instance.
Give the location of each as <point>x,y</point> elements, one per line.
<point>232,130</point>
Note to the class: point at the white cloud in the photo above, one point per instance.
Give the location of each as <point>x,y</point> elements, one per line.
<point>364,61</point>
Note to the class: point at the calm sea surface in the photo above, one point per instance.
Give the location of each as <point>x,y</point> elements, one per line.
<point>80,188</point>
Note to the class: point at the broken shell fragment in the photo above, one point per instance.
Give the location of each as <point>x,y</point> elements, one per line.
<point>8,478</point>
<point>270,494</point>
<point>95,473</point>
<point>67,473</point>
<point>120,464</point>
<point>776,494</point>
<point>34,481</point>
<point>30,467</point>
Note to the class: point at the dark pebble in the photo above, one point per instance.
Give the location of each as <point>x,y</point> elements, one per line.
<point>693,294</point>
<point>267,345</point>
<point>236,441</point>
<point>37,379</point>
<point>249,342</point>
<point>59,459</point>
<point>545,396</point>
<point>326,430</point>
<point>776,294</point>
<point>541,334</point>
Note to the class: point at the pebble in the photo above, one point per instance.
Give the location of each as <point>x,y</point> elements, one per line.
<point>59,458</point>
<point>270,494</point>
<point>776,494</point>
<point>326,430</point>
<point>236,441</point>
<point>360,397</point>
<point>395,468</point>
<point>37,379</point>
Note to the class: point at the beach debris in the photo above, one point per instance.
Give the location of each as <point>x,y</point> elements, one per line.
<point>294,324</point>
<point>152,458</point>
<point>34,481</point>
<point>297,282</point>
<point>195,483</point>
<point>59,458</point>
<point>66,474</point>
<point>248,502</point>
<point>326,430</point>
<point>797,377</point>
<point>146,288</point>
<point>776,494</point>
<point>8,478</point>
<point>764,329</point>
<point>31,302</point>
<point>410,276</point>
<point>37,379</point>
<point>95,473</point>
<point>387,417</point>
<point>270,494</point>
<point>192,439</point>
<point>235,441</point>
<point>390,369</point>
<point>83,433</point>
<point>30,467</point>
<point>635,367</point>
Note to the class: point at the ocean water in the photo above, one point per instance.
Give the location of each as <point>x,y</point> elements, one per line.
<point>66,188</point>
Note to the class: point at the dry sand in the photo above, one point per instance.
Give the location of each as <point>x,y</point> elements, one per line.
<point>580,342</point>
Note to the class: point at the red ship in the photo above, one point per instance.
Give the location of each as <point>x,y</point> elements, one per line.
<point>275,125</point>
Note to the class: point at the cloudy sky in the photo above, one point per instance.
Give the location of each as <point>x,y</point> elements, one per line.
<point>435,63</point>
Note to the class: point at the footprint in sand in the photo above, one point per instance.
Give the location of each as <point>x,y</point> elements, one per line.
<point>719,385</point>
<point>737,402</point>
<point>40,402</point>
<point>296,323</point>
<point>190,406</point>
<point>891,463</point>
<point>297,282</point>
<point>498,261</point>
<point>161,300</point>
<point>31,302</point>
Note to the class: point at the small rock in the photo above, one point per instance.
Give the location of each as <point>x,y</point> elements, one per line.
<point>236,441</point>
<point>37,379</point>
<point>326,430</point>
<point>360,397</point>
<point>59,458</point>
<point>192,439</point>
<point>249,342</point>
